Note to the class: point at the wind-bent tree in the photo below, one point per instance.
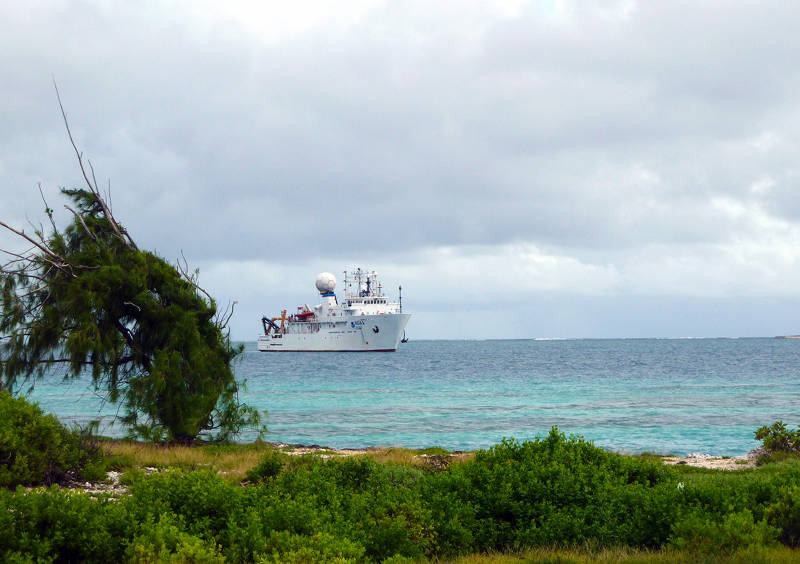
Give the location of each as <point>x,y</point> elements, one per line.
<point>87,298</point>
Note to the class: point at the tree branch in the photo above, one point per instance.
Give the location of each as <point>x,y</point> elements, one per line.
<point>44,248</point>
<point>76,214</point>
<point>225,318</point>
<point>184,270</point>
<point>92,187</point>
<point>119,362</point>
<point>47,209</point>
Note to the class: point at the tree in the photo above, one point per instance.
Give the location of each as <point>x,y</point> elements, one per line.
<point>87,298</point>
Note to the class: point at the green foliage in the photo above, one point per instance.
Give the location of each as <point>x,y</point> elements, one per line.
<point>59,525</point>
<point>203,500</point>
<point>288,548</point>
<point>551,492</point>
<point>374,509</point>
<point>785,514</point>
<point>774,457</point>
<point>778,438</point>
<point>737,530</point>
<point>89,299</point>
<point>269,467</point>
<point>555,491</point>
<point>164,541</point>
<point>36,449</point>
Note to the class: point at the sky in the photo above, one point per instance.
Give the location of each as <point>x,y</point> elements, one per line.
<point>524,169</point>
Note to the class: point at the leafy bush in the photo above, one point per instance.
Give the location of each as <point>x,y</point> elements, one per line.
<point>61,525</point>
<point>373,508</point>
<point>202,499</point>
<point>36,449</point>
<point>555,491</point>
<point>720,494</point>
<point>778,438</point>
<point>785,514</point>
<point>340,509</point>
<point>269,467</point>
<point>164,541</point>
<point>287,548</point>
<point>738,530</point>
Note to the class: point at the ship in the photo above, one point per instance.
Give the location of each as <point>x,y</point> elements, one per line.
<point>365,320</point>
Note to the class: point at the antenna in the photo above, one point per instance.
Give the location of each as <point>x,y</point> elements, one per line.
<point>401,298</point>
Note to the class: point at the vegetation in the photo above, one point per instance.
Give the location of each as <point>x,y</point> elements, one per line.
<point>556,499</point>
<point>628,555</point>
<point>230,461</point>
<point>777,438</point>
<point>36,449</point>
<point>87,298</point>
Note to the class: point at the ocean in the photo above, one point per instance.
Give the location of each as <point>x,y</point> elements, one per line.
<point>628,395</point>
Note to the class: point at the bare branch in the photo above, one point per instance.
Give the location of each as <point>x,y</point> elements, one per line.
<point>132,304</point>
<point>76,214</point>
<point>72,141</point>
<point>108,197</point>
<point>31,292</point>
<point>26,251</point>
<point>184,271</point>
<point>38,231</point>
<point>229,311</point>
<point>44,248</point>
<point>94,180</point>
<point>120,361</point>
<point>24,273</point>
<point>92,187</point>
<point>47,209</point>
<point>19,258</point>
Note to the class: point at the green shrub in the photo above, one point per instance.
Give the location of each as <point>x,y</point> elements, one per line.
<point>774,457</point>
<point>721,493</point>
<point>202,499</point>
<point>697,533</point>
<point>785,514</point>
<point>361,508</point>
<point>164,541</point>
<point>552,491</point>
<point>62,526</point>
<point>356,500</point>
<point>269,467</point>
<point>778,438</point>
<point>287,548</point>
<point>36,449</point>
<point>345,509</point>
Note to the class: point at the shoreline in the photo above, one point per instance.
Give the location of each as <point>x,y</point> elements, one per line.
<point>699,460</point>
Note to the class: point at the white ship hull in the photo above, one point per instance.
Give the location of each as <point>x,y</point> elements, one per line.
<point>349,333</point>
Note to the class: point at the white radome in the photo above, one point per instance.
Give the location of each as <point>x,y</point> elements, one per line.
<point>326,282</point>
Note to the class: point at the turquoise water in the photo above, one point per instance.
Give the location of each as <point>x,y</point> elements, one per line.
<point>629,395</point>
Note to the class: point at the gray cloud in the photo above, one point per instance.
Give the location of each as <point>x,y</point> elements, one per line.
<point>594,134</point>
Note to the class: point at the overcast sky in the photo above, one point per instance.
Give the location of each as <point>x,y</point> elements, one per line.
<point>523,169</point>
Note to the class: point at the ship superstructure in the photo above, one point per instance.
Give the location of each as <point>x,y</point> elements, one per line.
<point>365,320</point>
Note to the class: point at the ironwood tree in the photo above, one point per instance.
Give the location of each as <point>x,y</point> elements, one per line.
<point>87,298</point>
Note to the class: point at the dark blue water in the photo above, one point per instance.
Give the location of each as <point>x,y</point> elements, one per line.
<point>678,396</point>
